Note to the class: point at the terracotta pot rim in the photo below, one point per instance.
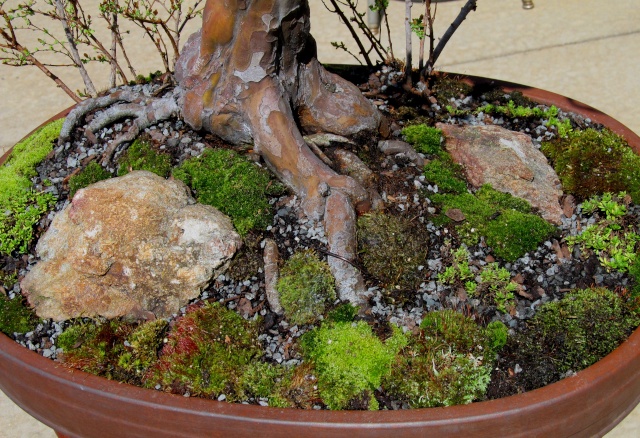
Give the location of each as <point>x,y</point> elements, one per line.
<point>620,369</point>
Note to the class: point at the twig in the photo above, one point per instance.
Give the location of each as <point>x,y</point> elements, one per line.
<point>466,9</point>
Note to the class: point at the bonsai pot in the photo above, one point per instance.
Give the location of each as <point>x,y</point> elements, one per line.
<point>77,404</point>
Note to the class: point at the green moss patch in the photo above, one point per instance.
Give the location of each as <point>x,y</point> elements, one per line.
<point>206,353</point>
<point>446,174</point>
<point>232,184</point>
<point>305,287</point>
<point>141,156</point>
<point>350,362</point>
<point>91,174</point>
<point>15,317</point>
<point>592,162</point>
<point>447,363</point>
<point>506,222</point>
<point>20,207</point>
<point>113,349</point>
<point>425,139</point>
<point>570,335</point>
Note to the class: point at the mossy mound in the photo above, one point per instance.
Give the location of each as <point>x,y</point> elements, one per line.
<point>571,334</point>
<point>506,222</point>
<point>593,162</point>
<point>219,341</point>
<point>141,156</point>
<point>350,362</point>
<point>23,207</point>
<point>425,139</point>
<point>113,349</point>
<point>446,174</point>
<point>305,287</point>
<point>447,363</point>
<point>232,184</point>
<point>392,249</point>
<point>91,174</point>
<point>15,317</point>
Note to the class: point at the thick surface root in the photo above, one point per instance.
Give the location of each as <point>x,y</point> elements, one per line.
<point>125,103</point>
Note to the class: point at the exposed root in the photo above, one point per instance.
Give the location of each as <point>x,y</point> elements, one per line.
<point>144,110</point>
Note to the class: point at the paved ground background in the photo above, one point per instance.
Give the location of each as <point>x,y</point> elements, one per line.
<point>585,49</point>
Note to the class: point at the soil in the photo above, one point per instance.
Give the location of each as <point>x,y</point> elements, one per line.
<point>541,273</point>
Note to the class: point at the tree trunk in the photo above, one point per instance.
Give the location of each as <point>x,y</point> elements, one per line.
<point>251,76</point>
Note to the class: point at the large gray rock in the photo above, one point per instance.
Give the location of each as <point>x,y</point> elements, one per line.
<point>136,246</point>
<point>507,160</point>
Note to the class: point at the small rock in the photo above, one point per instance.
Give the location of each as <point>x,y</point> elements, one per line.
<point>455,214</point>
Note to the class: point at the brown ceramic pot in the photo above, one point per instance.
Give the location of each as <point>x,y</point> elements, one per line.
<point>77,404</point>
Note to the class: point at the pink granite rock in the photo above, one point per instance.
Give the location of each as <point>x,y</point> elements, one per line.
<point>508,161</point>
<point>136,246</point>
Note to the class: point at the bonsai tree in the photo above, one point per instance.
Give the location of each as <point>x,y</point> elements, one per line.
<point>251,76</point>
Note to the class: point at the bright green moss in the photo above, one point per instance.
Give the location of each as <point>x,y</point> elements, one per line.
<point>392,249</point>
<point>592,162</point>
<point>206,353</point>
<point>572,334</point>
<point>91,174</point>
<point>305,286</point>
<point>141,156</point>
<point>447,363</point>
<point>15,316</point>
<point>232,184</point>
<point>425,139</point>
<point>30,152</point>
<point>505,221</point>
<point>22,208</point>
<point>446,175</point>
<point>350,362</point>
<point>18,214</point>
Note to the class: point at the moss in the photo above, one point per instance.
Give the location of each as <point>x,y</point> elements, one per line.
<point>113,349</point>
<point>206,353</point>
<point>614,243</point>
<point>447,363</point>
<point>592,162</point>
<point>350,362</point>
<point>91,174</point>
<point>140,156</point>
<point>95,347</point>
<point>144,343</point>
<point>22,211</point>
<point>343,313</point>
<point>505,221</point>
<point>571,334</point>
<point>263,380</point>
<point>21,206</point>
<point>425,139</point>
<point>232,184</point>
<point>392,249</point>
<point>15,317</point>
<point>305,286</point>
<point>446,175</point>
<point>27,154</point>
